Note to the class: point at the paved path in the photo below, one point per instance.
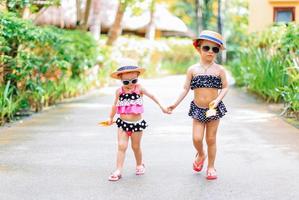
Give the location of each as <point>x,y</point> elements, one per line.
<point>61,154</point>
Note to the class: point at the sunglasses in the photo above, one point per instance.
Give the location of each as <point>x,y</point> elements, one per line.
<point>127,82</point>
<point>207,48</point>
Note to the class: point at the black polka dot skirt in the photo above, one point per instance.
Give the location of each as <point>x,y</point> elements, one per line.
<point>200,113</point>
<point>131,126</point>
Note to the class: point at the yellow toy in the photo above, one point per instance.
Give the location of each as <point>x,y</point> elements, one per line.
<point>105,123</point>
<point>212,111</point>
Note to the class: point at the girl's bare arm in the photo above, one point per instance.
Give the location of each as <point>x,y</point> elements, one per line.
<point>113,108</point>
<point>184,91</point>
<point>153,97</point>
<point>224,89</point>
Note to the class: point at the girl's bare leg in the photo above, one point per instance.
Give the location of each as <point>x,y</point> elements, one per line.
<point>135,142</point>
<point>198,134</point>
<point>211,132</point>
<point>123,140</point>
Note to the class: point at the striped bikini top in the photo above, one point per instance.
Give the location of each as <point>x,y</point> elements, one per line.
<point>130,103</point>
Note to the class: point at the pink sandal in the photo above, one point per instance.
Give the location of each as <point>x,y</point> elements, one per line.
<point>140,170</point>
<point>211,175</point>
<point>114,177</point>
<point>198,166</point>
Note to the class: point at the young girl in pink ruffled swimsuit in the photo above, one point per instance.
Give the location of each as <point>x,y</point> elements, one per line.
<point>128,104</point>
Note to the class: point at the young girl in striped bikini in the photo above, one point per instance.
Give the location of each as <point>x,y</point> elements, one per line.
<point>129,105</point>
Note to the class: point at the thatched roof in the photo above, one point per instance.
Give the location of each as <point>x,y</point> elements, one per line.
<point>164,21</point>
<point>65,16</point>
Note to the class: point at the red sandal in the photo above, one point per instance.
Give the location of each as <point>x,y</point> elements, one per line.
<point>211,175</point>
<point>198,166</point>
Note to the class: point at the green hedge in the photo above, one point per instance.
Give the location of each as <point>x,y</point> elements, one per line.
<point>44,64</point>
<point>268,66</point>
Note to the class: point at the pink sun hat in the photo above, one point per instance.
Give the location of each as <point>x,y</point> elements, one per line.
<point>210,36</point>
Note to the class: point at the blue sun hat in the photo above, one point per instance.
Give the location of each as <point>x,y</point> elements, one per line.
<point>126,66</point>
<point>210,36</point>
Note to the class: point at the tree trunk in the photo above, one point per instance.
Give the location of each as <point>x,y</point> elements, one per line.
<point>219,26</point>
<point>116,28</point>
<point>199,22</point>
<point>219,21</point>
<point>79,13</point>
<point>84,25</point>
<point>207,13</point>
<point>6,5</point>
<point>151,27</point>
<point>1,73</point>
<point>26,11</point>
<point>95,26</point>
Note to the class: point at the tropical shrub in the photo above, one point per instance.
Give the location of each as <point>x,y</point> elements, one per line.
<point>42,62</point>
<point>269,65</point>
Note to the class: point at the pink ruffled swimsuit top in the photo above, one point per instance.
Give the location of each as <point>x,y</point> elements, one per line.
<point>130,103</point>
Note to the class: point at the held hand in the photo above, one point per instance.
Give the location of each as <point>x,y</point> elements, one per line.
<point>165,110</point>
<point>171,108</point>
